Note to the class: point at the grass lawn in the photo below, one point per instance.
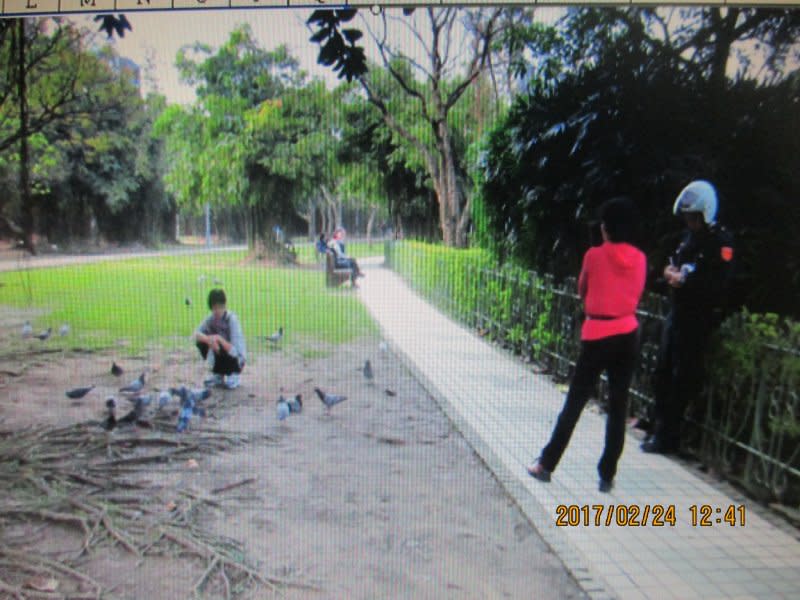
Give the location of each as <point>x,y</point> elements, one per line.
<point>143,301</point>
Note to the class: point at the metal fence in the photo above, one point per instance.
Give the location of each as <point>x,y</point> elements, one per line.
<point>747,425</point>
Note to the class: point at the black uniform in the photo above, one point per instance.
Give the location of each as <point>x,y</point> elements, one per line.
<point>706,258</point>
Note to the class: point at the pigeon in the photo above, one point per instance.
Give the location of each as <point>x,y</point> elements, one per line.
<point>296,405</point>
<point>217,281</point>
<point>163,399</point>
<point>79,392</point>
<point>201,279</point>
<point>189,401</point>
<point>116,370</point>
<point>329,400</point>
<point>390,393</point>
<point>140,404</point>
<point>283,408</point>
<point>195,395</point>
<point>188,405</point>
<point>45,334</point>
<point>134,386</point>
<point>187,302</point>
<point>277,336</point>
<point>111,419</point>
<point>64,330</point>
<point>27,330</point>
<point>367,370</point>
<point>383,346</point>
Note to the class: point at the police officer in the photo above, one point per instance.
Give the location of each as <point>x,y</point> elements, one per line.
<point>698,274</point>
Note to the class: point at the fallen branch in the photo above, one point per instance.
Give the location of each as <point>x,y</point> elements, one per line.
<point>231,486</point>
<point>55,565</point>
<point>204,576</point>
<point>117,536</point>
<point>48,516</point>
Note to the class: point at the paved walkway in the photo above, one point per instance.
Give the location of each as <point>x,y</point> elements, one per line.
<point>507,413</point>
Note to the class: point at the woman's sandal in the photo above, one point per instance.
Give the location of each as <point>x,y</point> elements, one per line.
<point>537,471</point>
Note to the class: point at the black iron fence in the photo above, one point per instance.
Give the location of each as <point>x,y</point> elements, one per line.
<point>747,425</point>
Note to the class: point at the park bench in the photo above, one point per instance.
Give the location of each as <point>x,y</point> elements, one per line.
<point>334,276</point>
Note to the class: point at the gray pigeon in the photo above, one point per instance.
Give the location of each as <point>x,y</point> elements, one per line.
<point>79,392</point>
<point>116,370</point>
<point>45,334</point>
<point>296,405</point>
<point>163,399</point>
<point>134,386</point>
<point>283,408</point>
<point>64,330</point>
<point>190,398</point>
<point>277,336</point>
<point>367,370</point>
<point>189,406</point>
<point>217,281</point>
<point>27,330</point>
<point>329,400</point>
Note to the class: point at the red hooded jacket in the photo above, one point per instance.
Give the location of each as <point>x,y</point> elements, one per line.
<point>611,283</point>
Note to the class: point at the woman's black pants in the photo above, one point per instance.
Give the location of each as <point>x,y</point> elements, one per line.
<point>616,355</point>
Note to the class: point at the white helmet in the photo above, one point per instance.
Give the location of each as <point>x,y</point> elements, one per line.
<point>699,196</point>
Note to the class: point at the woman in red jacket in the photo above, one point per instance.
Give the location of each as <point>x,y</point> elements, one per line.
<point>611,283</point>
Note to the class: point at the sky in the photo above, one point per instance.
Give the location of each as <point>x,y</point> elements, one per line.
<point>162,34</point>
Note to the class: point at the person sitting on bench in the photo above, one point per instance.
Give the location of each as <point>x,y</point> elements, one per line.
<point>342,261</point>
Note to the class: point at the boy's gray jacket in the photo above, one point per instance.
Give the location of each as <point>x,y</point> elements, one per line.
<point>229,328</point>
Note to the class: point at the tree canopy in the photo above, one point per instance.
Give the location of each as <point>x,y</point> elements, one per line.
<point>628,115</point>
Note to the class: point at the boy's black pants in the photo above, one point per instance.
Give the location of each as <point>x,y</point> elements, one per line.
<point>617,356</point>
<point>224,363</point>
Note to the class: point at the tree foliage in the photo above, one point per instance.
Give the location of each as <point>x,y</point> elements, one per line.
<point>631,115</point>
<point>91,161</point>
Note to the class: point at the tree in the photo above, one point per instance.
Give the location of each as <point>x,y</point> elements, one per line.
<point>256,140</point>
<point>624,118</point>
<point>54,86</point>
<point>428,87</point>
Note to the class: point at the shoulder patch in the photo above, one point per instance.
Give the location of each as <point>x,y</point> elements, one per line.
<point>726,253</point>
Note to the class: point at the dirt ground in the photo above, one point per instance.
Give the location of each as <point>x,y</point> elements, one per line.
<point>381,498</point>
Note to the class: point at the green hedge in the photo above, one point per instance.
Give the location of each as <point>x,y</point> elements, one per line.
<point>748,426</point>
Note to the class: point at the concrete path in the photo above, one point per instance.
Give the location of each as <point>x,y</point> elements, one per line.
<point>507,413</point>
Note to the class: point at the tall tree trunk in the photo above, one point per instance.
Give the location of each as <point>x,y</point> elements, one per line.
<point>373,210</point>
<point>312,220</point>
<point>24,174</point>
<point>448,192</point>
<point>724,36</point>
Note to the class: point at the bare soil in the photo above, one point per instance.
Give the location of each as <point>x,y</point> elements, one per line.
<point>381,498</point>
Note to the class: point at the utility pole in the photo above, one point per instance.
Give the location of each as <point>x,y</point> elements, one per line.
<point>208,225</point>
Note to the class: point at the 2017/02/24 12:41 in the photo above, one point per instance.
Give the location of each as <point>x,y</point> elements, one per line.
<point>705,515</point>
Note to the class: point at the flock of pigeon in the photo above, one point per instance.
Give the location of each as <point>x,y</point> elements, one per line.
<point>27,331</point>
<point>189,400</point>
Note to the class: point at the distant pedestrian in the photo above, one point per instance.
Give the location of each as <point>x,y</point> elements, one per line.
<point>321,244</point>
<point>221,341</point>
<point>342,260</point>
<point>611,283</point>
<point>698,274</point>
